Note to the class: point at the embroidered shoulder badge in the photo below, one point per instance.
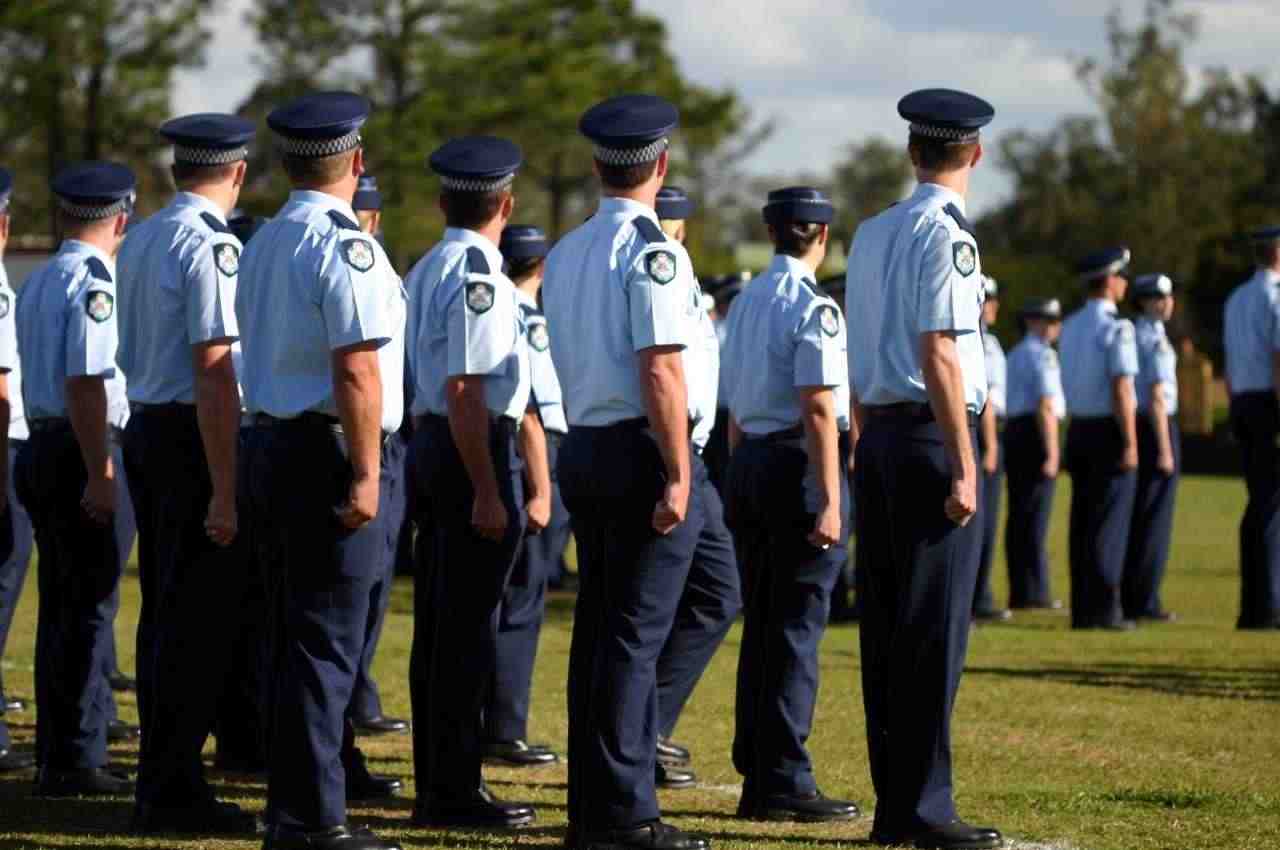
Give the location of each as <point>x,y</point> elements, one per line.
<point>661,266</point>
<point>539,339</point>
<point>964,257</point>
<point>4,305</point>
<point>99,305</point>
<point>479,297</point>
<point>358,254</point>
<point>227,259</point>
<point>830,323</point>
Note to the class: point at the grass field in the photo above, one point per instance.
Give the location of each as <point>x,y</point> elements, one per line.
<point>1166,738</point>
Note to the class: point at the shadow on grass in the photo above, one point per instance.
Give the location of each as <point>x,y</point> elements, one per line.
<point>1244,683</point>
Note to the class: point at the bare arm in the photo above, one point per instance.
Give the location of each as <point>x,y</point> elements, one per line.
<point>1124,403</point>
<point>469,425</point>
<point>87,409</point>
<point>944,382</point>
<point>537,470</point>
<point>1048,422</point>
<point>822,436</point>
<point>735,434</point>
<point>857,417</point>
<point>357,392</point>
<point>1160,425</point>
<point>218,414</point>
<point>990,440</point>
<point>5,412</point>
<point>667,403</point>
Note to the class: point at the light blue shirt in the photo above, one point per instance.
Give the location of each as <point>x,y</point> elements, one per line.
<point>66,324</point>
<point>542,371</point>
<point>914,269</point>
<point>9,362</point>
<point>1251,333</point>
<point>177,289</point>
<point>1157,364</point>
<point>466,321</point>
<point>1034,374</point>
<point>783,334</point>
<point>722,336</point>
<point>702,376</point>
<point>1097,347</point>
<point>997,372</point>
<point>310,284</point>
<point>615,286</point>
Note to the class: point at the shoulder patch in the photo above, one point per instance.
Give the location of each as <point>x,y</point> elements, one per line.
<point>99,305</point>
<point>829,320</point>
<point>962,222</point>
<point>476,261</point>
<point>5,305</point>
<point>479,297</point>
<point>661,266</point>
<point>214,224</point>
<point>1124,332</point>
<point>648,231</point>
<point>1048,358</point>
<point>98,269</point>
<point>359,254</point>
<point>227,258</point>
<point>965,258</point>
<point>342,221</point>
<point>539,338</point>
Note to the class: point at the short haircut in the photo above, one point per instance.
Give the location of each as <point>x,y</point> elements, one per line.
<point>522,268</point>
<point>1264,253</point>
<point>626,176</point>
<point>939,154</point>
<point>69,224</point>
<point>1096,285</point>
<point>795,238</point>
<point>471,210</point>
<point>190,174</point>
<point>318,170</point>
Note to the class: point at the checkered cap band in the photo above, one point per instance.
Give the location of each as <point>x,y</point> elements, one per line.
<point>316,148</point>
<point>472,184</point>
<point>93,212</point>
<point>947,134</point>
<point>208,156</point>
<point>631,156</point>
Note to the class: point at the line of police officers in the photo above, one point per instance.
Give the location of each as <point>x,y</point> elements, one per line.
<point>277,387</point>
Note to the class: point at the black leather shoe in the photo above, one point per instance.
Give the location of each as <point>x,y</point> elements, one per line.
<point>120,682</point>
<point>666,776</point>
<point>11,761</point>
<point>86,782</point>
<point>672,753</point>
<point>480,810</point>
<point>953,836</point>
<point>380,725</point>
<point>14,704</point>
<point>651,836</point>
<point>992,615</point>
<point>372,786</point>
<point>519,754</point>
<point>119,731</point>
<point>335,838</point>
<point>202,817</point>
<point>800,808</point>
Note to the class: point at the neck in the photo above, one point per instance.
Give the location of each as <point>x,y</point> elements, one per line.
<point>646,193</point>
<point>812,258</point>
<point>491,231</point>
<point>1274,269</point>
<point>102,239</point>
<point>957,181</point>
<point>343,190</point>
<point>530,286</point>
<point>221,195</point>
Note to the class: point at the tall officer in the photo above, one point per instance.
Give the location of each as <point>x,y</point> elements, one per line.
<point>1102,449</point>
<point>1159,453</point>
<point>914,300</point>
<point>506,713</point>
<point>629,295</point>
<point>712,596</point>
<point>65,477</point>
<point>474,425</point>
<point>788,505</point>
<point>991,454</point>
<point>321,316</point>
<point>1251,335</point>
<point>1035,407</point>
<point>176,297</point>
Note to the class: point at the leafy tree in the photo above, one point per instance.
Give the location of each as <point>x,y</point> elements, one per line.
<point>873,175</point>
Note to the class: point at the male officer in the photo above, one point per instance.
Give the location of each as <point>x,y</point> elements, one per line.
<point>65,477</point>
<point>712,596</point>
<point>1159,453</point>
<point>628,295</point>
<point>914,302</point>
<point>1035,407</point>
<point>176,299</point>
<point>506,714</point>
<point>474,425</point>
<point>1102,444</point>
<point>990,455</point>
<point>321,315</point>
<point>367,203</point>
<point>1251,335</point>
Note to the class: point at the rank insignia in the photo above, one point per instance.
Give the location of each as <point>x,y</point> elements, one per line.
<point>227,259</point>
<point>830,323</point>
<point>99,305</point>
<point>964,257</point>
<point>661,266</point>
<point>479,297</point>
<point>358,254</point>
<point>539,339</point>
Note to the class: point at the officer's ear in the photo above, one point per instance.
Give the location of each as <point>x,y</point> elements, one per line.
<point>824,233</point>
<point>121,224</point>
<point>661,171</point>
<point>508,206</point>
<point>773,235</point>
<point>977,155</point>
<point>242,169</point>
<point>357,163</point>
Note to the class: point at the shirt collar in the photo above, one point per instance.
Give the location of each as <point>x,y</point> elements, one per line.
<point>75,246</point>
<point>1269,277</point>
<point>199,203</point>
<point>789,265</point>
<point>324,200</point>
<point>1102,305</point>
<point>626,207</point>
<point>935,191</point>
<point>471,239</point>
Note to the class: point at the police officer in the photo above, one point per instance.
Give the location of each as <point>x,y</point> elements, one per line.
<point>65,477</point>
<point>1102,450</point>
<point>712,596</point>
<point>991,455</point>
<point>716,454</point>
<point>1159,453</point>
<point>1251,336</point>
<point>844,601</point>
<point>474,427</point>
<point>176,300</point>
<point>788,505</point>
<point>1035,406</point>
<point>628,294</point>
<point>506,714</point>
<point>321,315</point>
<point>126,533</point>
<point>367,202</point>
<point>914,302</point>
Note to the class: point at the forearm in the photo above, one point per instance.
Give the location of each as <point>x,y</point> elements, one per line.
<point>1048,423</point>
<point>1160,421</point>
<point>989,434</point>
<point>357,392</point>
<point>218,416</point>
<point>533,449</point>
<point>87,410</point>
<point>944,383</point>
<point>469,425</point>
<point>1125,407</point>
<point>822,437</point>
<point>735,434</point>
<point>666,402</point>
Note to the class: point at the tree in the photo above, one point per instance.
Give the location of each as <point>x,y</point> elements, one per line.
<point>873,175</point>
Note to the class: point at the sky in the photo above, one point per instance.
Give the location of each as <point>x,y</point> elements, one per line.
<point>829,73</point>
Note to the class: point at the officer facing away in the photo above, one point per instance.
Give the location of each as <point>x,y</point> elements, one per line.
<point>12,570</point>
<point>991,454</point>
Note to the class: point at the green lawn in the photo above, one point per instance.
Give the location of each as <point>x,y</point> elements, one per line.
<point>1167,738</point>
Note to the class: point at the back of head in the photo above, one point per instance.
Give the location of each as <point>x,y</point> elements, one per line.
<point>945,128</point>
<point>630,133</point>
<point>318,137</point>
<point>797,216</point>
<point>95,200</point>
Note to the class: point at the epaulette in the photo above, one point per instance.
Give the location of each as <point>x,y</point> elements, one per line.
<point>98,269</point>
<point>954,211</point>
<point>527,311</point>
<point>648,231</point>
<point>476,262</point>
<point>342,221</point>
<point>214,224</point>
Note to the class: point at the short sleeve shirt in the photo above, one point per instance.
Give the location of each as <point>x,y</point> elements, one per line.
<point>1097,347</point>
<point>1251,333</point>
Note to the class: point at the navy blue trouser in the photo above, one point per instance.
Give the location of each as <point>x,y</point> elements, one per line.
<point>1101,510</point>
<point>1255,418</point>
<point>126,532</point>
<point>711,600</point>
<point>192,601</point>
<point>13,572</point>
<point>989,516</point>
<point>919,571</point>
<point>506,714</point>
<point>1030,507</point>
<point>1151,529</point>
<point>321,573</point>
<point>78,572</point>
<point>631,581</point>
<point>456,605</point>
<point>787,585</point>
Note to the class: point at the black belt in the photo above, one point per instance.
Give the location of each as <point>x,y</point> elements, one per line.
<point>170,408</point>
<point>916,411</point>
<point>47,424</point>
<point>307,419</point>
<point>503,423</point>
<point>795,432</point>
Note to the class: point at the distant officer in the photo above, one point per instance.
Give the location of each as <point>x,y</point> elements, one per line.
<point>788,504</point>
<point>991,455</point>
<point>321,315</point>
<point>176,300</point>
<point>1159,453</point>
<point>367,203</point>
<point>624,298</point>
<point>475,434</point>
<point>914,303</point>
<point>844,602</point>
<point>712,596</point>
<point>1102,450</point>
<point>716,455</point>
<point>126,534</point>
<point>65,477</point>
<point>506,713</point>
<point>1035,408</point>
<point>1251,336</point>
